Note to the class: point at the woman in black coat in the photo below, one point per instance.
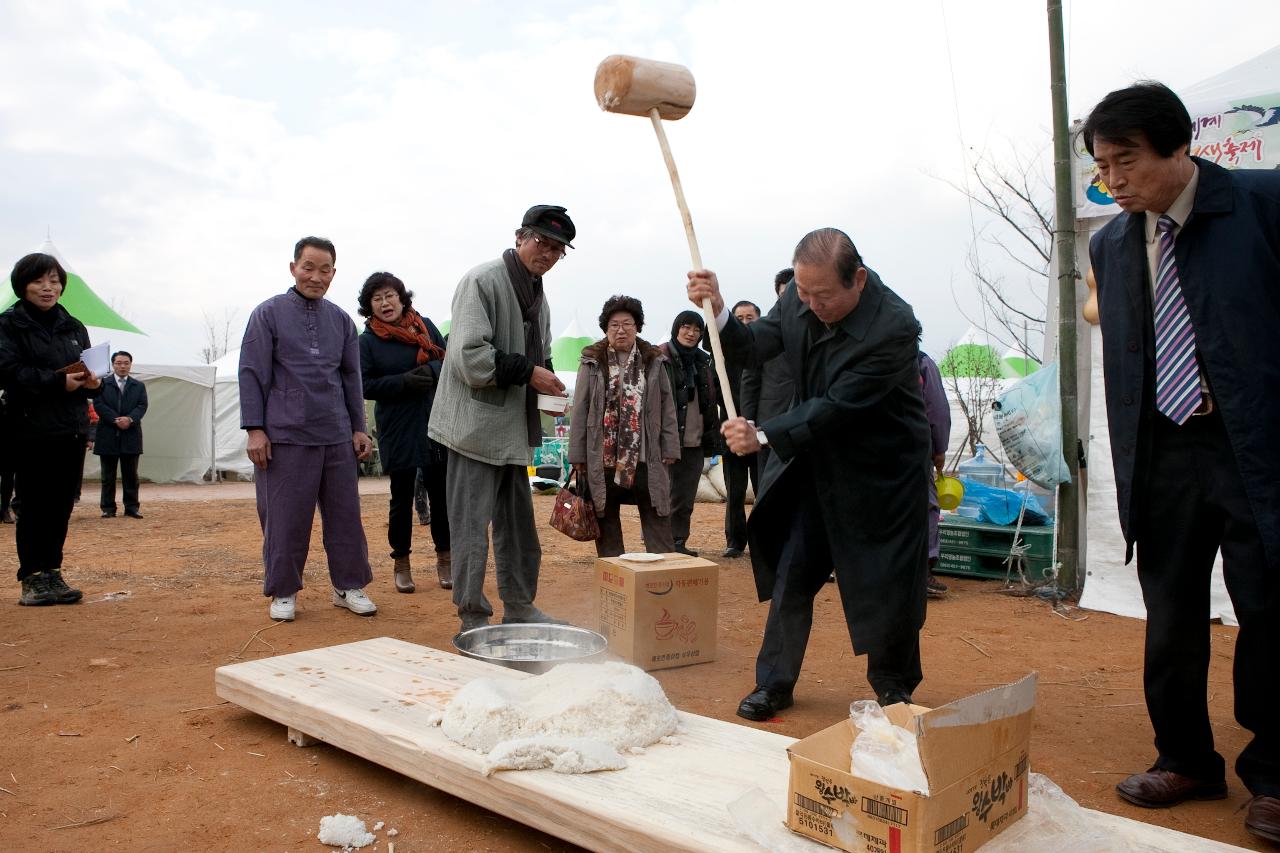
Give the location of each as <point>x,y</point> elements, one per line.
<point>697,418</point>
<point>49,420</point>
<point>400,357</point>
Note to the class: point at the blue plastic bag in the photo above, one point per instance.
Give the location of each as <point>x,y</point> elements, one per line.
<point>1002,506</point>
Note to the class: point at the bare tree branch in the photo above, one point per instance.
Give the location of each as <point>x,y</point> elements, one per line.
<point>1015,192</point>
<point>217,335</point>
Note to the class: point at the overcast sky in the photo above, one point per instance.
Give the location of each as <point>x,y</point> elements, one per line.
<point>175,156</point>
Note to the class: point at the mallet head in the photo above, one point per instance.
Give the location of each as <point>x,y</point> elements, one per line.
<point>634,86</point>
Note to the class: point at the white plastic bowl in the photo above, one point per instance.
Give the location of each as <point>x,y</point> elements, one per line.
<point>548,403</point>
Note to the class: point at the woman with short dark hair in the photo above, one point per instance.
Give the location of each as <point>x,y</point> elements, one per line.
<point>46,387</point>
<point>400,358</point>
<point>624,429</point>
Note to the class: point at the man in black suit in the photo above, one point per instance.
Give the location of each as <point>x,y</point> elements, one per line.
<point>1189,301</point>
<point>767,390</point>
<point>738,470</point>
<point>846,482</point>
<point>119,438</point>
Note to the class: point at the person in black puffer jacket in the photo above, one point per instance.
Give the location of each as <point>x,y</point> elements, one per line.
<point>689,371</point>
<point>49,420</point>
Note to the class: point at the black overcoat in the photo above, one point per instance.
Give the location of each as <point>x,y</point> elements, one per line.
<point>400,416</point>
<point>1228,258</point>
<point>110,439</point>
<point>859,427</point>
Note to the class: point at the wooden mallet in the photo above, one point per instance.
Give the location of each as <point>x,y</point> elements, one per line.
<point>661,90</point>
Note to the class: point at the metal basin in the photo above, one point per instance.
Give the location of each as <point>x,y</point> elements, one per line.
<point>531,647</point>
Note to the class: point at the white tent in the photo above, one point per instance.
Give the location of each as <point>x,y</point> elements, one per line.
<point>177,443</point>
<point>1228,129</point>
<point>230,440</point>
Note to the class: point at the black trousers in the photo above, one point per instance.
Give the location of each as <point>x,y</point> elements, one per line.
<point>656,529</point>
<point>47,480</point>
<point>685,475</point>
<point>803,569</point>
<point>1195,505</point>
<point>128,474</point>
<point>737,471</point>
<point>400,514</point>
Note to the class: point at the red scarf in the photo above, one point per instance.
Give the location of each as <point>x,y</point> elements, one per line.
<point>409,329</point>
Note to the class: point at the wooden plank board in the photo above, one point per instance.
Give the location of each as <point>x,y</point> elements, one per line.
<point>374,698</point>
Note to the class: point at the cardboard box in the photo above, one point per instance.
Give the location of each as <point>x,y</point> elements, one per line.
<point>659,614</point>
<point>975,755</point>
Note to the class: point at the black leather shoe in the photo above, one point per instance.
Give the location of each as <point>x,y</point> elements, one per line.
<point>731,553</point>
<point>893,697</point>
<point>1263,818</point>
<point>763,704</point>
<point>133,513</point>
<point>682,549</point>
<point>108,515</point>
<point>1159,788</point>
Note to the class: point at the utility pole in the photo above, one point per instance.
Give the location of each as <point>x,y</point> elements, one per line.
<point>1064,224</point>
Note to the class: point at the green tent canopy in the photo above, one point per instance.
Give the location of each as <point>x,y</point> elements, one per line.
<point>79,300</point>
<point>975,356</point>
<point>566,350</point>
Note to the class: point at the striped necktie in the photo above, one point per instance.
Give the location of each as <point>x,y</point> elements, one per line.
<point>1177,375</point>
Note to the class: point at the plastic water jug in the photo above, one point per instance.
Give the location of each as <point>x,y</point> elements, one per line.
<point>982,469</point>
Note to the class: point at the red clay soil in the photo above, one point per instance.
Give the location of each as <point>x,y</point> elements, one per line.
<point>116,740</point>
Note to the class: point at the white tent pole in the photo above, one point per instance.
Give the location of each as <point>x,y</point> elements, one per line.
<point>213,428</point>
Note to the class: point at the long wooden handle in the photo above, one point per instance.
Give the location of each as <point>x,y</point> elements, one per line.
<point>726,390</point>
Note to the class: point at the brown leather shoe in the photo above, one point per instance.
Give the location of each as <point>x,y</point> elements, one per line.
<point>1263,819</point>
<point>444,569</point>
<point>1159,789</point>
<point>404,575</point>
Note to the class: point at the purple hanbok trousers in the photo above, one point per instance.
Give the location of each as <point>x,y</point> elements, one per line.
<point>297,479</point>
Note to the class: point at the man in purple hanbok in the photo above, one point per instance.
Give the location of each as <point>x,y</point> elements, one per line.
<point>939,414</point>
<point>302,407</point>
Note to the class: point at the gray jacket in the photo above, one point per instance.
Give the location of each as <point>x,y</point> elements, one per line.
<point>661,437</point>
<point>471,414</point>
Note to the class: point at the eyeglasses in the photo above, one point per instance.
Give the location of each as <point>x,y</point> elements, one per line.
<point>625,326</point>
<point>550,247</point>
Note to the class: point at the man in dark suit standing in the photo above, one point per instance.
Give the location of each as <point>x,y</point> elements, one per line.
<point>767,390</point>
<point>846,482</point>
<point>1189,302</point>
<point>738,470</point>
<point>119,438</point>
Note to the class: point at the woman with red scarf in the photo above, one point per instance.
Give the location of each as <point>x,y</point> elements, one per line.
<point>400,357</point>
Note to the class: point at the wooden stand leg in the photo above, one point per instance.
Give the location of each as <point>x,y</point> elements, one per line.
<point>298,738</point>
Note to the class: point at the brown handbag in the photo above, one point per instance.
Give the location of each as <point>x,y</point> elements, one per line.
<point>573,514</point>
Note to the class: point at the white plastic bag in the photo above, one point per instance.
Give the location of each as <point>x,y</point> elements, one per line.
<point>1028,419</point>
<point>883,752</point>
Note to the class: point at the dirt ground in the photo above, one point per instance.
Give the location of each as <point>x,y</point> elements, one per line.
<point>116,740</point>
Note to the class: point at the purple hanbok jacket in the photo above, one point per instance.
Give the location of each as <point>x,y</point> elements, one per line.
<point>300,372</point>
<point>935,405</point>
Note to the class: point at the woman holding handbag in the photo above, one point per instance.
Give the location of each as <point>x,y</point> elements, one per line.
<point>624,429</point>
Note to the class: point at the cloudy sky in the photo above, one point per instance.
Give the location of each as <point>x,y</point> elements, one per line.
<point>176,151</point>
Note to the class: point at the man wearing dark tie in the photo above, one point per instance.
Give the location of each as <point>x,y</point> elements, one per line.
<point>1188,282</point>
<point>119,439</point>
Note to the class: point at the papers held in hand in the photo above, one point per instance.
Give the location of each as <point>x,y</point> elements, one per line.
<point>96,358</point>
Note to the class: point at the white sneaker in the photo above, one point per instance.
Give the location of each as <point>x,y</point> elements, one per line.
<point>354,600</point>
<point>283,607</point>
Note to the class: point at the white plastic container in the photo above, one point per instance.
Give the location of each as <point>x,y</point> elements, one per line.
<point>549,403</point>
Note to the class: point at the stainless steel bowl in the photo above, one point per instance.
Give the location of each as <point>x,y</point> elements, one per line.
<point>531,647</point>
